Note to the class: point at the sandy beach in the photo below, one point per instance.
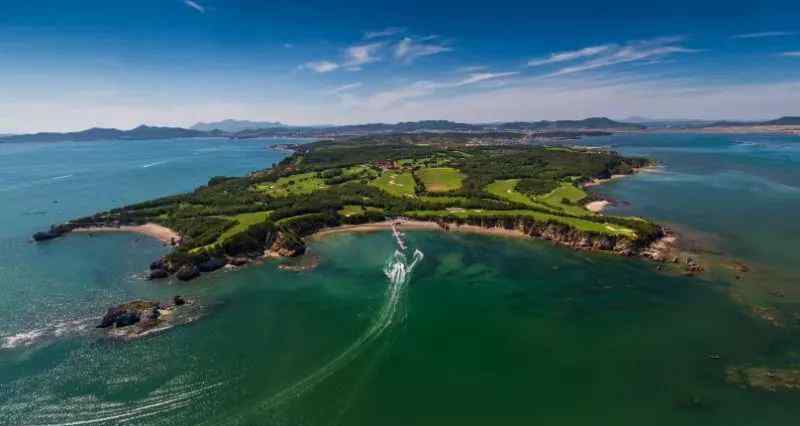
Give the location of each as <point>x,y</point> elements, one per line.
<point>153,230</point>
<point>597,206</point>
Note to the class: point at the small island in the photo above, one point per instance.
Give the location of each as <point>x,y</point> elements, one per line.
<point>471,182</point>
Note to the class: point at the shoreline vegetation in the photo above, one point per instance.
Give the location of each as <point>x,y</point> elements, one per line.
<point>478,183</point>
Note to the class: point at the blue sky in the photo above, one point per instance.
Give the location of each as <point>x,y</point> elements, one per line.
<point>71,65</point>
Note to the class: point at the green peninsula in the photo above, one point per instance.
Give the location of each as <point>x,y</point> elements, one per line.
<point>451,179</point>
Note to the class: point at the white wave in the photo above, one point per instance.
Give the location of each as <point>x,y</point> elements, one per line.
<point>57,329</point>
<point>62,177</point>
<point>156,163</point>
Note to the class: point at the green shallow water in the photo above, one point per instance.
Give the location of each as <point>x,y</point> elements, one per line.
<point>487,330</point>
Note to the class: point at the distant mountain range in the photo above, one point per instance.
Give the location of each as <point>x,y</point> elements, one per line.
<point>96,134</point>
<point>275,129</point>
<point>595,123</point>
<point>783,121</point>
<point>233,126</point>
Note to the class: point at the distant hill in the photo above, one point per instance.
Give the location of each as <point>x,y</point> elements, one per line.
<point>96,134</point>
<point>783,121</point>
<point>278,130</point>
<point>588,123</point>
<point>233,126</point>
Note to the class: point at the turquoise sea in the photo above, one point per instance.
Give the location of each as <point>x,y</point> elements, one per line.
<point>482,330</point>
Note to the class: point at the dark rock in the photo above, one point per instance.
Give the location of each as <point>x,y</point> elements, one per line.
<point>155,313</point>
<point>157,264</point>
<point>110,317</point>
<point>211,264</point>
<point>239,261</point>
<point>127,313</point>
<point>188,272</point>
<point>54,232</point>
<point>127,318</point>
<point>156,274</point>
<point>44,236</point>
<point>178,300</point>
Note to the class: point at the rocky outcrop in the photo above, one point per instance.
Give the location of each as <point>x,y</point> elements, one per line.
<point>239,261</point>
<point>764,379</point>
<point>286,246</point>
<point>211,265</point>
<point>187,273</point>
<point>157,274</point>
<point>127,314</point>
<point>54,232</point>
<point>142,317</point>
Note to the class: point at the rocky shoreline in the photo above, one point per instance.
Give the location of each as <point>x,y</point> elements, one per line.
<point>663,249</point>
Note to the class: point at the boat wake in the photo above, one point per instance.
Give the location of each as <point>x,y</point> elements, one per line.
<point>397,269</point>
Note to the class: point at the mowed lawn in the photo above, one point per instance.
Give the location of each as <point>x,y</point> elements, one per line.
<point>506,189</point>
<point>353,210</point>
<point>397,184</point>
<point>304,183</point>
<point>243,221</point>
<point>440,179</point>
<point>569,192</point>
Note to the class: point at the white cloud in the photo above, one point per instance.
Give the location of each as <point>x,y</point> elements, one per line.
<point>195,5</point>
<point>343,88</point>
<point>569,56</point>
<point>471,68</point>
<point>479,77</point>
<point>647,50</point>
<point>385,99</point>
<point>567,97</point>
<point>321,66</point>
<point>356,56</point>
<point>408,50</point>
<point>387,32</point>
<point>765,34</point>
<point>791,54</point>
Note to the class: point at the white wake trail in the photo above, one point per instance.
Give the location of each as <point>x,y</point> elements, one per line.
<point>398,270</point>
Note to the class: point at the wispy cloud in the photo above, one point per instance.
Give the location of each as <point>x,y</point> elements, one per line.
<point>356,56</point>
<point>320,66</point>
<point>765,34</point>
<point>195,5</point>
<point>569,56</point>
<point>344,88</point>
<point>795,54</point>
<point>408,50</point>
<point>387,32</point>
<point>636,51</point>
<point>388,98</point>
<point>471,68</point>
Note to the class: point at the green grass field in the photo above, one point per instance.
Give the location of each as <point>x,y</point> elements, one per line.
<point>304,183</point>
<point>569,192</point>
<point>505,189</point>
<point>397,184</point>
<point>580,224</point>
<point>440,179</point>
<point>243,221</point>
<point>353,210</point>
